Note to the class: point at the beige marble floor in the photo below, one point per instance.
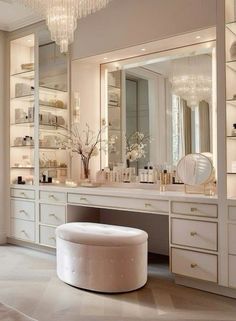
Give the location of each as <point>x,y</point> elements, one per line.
<point>28,282</point>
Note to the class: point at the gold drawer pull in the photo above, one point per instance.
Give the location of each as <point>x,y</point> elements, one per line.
<point>148,205</point>
<point>24,232</point>
<point>52,196</point>
<point>193,233</point>
<point>193,209</point>
<point>52,238</point>
<point>23,194</point>
<point>83,198</point>
<point>193,265</point>
<point>52,214</point>
<point>23,212</point>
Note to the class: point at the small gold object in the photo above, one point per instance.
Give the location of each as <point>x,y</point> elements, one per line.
<point>193,265</point>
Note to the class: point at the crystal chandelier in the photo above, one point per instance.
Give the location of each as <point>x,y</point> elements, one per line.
<point>191,79</point>
<point>62,16</point>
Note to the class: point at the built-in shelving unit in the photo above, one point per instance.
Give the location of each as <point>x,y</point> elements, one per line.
<point>39,111</point>
<point>114,117</point>
<point>230,45</point>
<point>22,110</point>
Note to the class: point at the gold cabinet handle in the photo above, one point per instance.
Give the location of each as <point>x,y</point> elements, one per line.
<point>193,265</point>
<point>52,238</point>
<point>23,194</point>
<point>148,205</point>
<point>52,196</point>
<point>23,212</point>
<point>83,198</point>
<point>193,209</point>
<point>24,232</point>
<point>193,233</point>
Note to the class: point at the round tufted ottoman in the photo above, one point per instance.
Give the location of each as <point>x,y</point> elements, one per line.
<point>103,258</point>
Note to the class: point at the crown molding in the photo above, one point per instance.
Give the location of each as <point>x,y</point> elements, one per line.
<point>22,23</point>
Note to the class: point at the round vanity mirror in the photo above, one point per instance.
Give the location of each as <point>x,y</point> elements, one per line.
<point>195,169</point>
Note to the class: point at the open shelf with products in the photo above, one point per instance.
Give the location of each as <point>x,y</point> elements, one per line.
<point>22,110</point>
<point>230,67</point>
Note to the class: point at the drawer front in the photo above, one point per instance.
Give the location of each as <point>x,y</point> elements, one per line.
<point>120,202</point>
<point>232,239</point>
<point>232,213</point>
<point>52,214</point>
<point>202,235</point>
<point>232,271</point>
<point>23,210</point>
<point>22,193</point>
<point>194,264</point>
<point>195,209</point>
<point>53,197</point>
<point>24,230</point>
<point>47,236</point>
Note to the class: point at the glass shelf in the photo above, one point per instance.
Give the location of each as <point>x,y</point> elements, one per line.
<point>51,107</point>
<point>31,124</point>
<point>51,127</point>
<point>52,148</point>
<point>53,167</point>
<point>51,90</point>
<point>26,167</point>
<point>29,74</point>
<point>29,98</point>
<point>23,146</point>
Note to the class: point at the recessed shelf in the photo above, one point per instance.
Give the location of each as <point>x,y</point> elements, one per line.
<point>23,167</point>
<point>231,26</point>
<point>22,146</point>
<point>51,107</point>
<point>53,167</point>
<point>231,137</point>
<point>231,173</point>
<point>30,124</point>
<point>29,74</point>
<point>29,98</point>
<point>52,148</point>
<point>51,90</point>
<point>111,106</point>
<point>231,102</point>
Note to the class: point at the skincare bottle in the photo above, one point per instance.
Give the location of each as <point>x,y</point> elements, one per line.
<point>150,175</point>
<point>234,130</point>
<point>145,174</point>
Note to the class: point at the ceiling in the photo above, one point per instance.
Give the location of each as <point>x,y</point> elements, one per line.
<point>13,16</point>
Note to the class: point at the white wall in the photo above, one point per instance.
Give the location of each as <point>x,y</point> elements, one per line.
<point>2,134</point>
<point>126,23</point>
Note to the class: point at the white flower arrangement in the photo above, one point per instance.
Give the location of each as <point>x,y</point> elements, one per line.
<point>135,147</point>
<point>85,143</point>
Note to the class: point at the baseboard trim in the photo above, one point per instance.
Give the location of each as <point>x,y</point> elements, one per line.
<point>205,286</point>
<point>32,246</point>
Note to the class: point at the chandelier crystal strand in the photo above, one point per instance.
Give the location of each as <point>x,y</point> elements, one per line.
<point>62,16</point>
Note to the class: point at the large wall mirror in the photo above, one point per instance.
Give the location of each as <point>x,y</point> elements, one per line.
<point>168,98</point>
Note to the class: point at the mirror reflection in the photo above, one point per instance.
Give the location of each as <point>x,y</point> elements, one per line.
<point>163,108</point>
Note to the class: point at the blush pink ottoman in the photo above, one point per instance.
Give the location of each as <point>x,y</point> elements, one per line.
<point>103,258</point>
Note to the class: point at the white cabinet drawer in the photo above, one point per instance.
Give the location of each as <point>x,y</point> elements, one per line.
<point>196,209</point>
<point>53,197</point>
<point>202,235</point>
<point>52,214</point>
<point>24,230</point>
<point>23,210</point>
<point>22,193</point>
<point>232,239</point>
<point>155,206</point>
<point>47,236</point>
<point>194,264</point>
<point>232,271</point>
<point>232,213</point>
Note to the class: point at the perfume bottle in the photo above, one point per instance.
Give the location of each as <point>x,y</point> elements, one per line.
<point>234,130</point>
